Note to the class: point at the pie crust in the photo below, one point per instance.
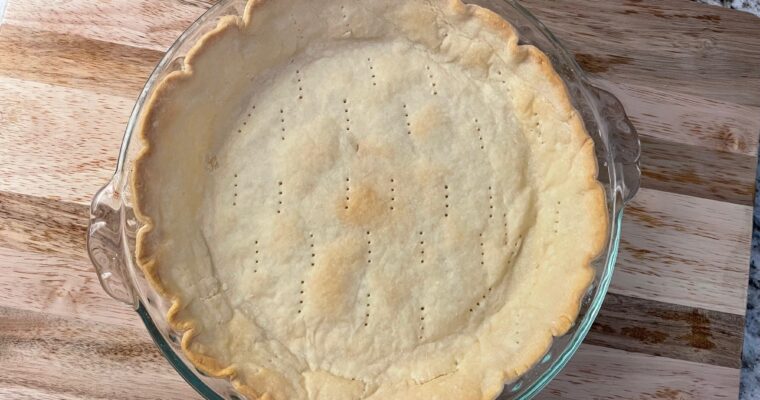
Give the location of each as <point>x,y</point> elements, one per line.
<point>366,199</point>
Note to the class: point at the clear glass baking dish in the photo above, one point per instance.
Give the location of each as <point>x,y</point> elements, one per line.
<point>113,226</point>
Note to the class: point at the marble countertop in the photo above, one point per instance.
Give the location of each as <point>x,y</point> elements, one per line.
<point>751,6</point>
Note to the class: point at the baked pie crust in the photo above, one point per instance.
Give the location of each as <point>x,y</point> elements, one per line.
<point>366,199</point>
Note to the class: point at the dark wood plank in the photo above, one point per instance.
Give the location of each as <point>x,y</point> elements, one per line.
<point>669,330</point>
<point>45,356</point>
<point>43,225</point>
<point>678,45</point>
<point>688,119</point>
<point>697,171</point>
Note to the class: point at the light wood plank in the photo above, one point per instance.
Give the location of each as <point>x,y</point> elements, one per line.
<point>605,374</point>
<point>74,62</point>
<point>141,23</point>
<point>685,250</point>
<point>688,119</point>
<point>62,286</point>
<point>59,143</point>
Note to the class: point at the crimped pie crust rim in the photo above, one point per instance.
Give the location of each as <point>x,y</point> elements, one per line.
<point>217,368</point>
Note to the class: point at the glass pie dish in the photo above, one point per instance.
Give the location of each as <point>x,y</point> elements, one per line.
<point>113,226</point>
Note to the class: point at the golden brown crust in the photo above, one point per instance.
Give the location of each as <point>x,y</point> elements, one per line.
<point>446,385</point>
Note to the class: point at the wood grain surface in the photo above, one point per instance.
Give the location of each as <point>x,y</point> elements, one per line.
<point>671,327</point>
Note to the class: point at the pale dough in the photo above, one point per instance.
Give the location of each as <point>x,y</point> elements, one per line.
<point>367,199</point>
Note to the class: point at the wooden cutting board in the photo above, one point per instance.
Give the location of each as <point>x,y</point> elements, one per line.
<point>671,327</point>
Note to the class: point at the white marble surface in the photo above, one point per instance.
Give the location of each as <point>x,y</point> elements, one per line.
<point>751,6</point>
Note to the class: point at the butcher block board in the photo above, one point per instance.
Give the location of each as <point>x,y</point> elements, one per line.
<point>671,327</point>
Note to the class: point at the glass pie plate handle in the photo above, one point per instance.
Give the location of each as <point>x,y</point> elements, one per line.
<point>624,141</point>
<point>105,243</point>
